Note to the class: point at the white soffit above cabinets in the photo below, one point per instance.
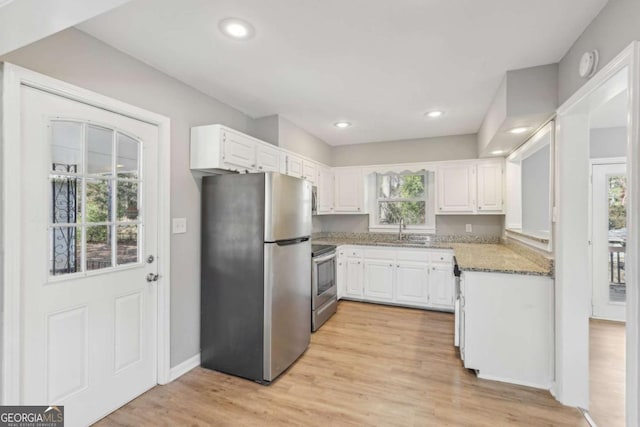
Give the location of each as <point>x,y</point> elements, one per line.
<point>377,64</point>
<point>25,21</point>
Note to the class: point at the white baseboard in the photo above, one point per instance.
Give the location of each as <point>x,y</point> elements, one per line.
<point>540,385</point>
<point>184,367</point>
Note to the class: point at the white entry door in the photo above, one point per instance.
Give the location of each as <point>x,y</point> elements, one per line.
<point>609,237</point>
<point>89,201</point>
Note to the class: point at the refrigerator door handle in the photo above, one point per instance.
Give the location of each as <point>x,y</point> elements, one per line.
<point>291,241</point>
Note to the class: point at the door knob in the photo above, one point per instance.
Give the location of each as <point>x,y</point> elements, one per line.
<point>151,277</point>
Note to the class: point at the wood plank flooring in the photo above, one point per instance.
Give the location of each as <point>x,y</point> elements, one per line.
<point>607,372</point>
<point>369,365</point>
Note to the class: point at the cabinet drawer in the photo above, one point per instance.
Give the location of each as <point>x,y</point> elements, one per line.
<point>373,253</point>
<point>441,257</point>
<point>353,252</point>
<point>416,255</point>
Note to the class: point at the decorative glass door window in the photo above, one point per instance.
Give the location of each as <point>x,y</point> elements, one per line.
<point>95,220</point>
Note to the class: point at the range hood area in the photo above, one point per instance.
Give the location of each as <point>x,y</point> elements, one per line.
<point>526,99</point>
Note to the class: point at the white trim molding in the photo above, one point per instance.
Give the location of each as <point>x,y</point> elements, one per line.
<point>572,297</point>
<point>13,77</point>
<point>184,367</point>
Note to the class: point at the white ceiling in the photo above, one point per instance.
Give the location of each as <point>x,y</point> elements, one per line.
<point>379,64</point>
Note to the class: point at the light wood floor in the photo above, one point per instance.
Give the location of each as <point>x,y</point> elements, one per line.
<point>369,365</point>
<point>607,372</point>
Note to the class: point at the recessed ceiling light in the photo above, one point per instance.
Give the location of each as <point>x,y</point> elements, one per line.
<point>342,125</point>
<point>236,28</point>
<point>519,130</point>
<point>433,114</point>
<point>497,152</point>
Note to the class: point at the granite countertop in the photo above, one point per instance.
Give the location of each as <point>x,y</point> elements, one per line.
<point>476,254</point>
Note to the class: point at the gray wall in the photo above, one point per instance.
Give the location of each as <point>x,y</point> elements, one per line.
<point>446,225</point>
<point>482,225</point>
<point>612,30</point>
<point>535,184</point>
<point>608,142</point>
<point>298,140</point>
<point>406,151</point>
<point>266,129</point>
<point>79,59</point>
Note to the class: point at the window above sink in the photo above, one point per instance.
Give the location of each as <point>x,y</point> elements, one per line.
<point>406,196</point>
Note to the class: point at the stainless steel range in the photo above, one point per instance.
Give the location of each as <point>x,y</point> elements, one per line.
<point>324,301</point>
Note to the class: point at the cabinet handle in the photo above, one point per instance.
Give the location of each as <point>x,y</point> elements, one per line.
<point>253,166</point>
<point>358,262</point>
<point>479,207</point>
<point>390,265</point>
<point>433,268</point>
<point>259,167</point>
<point>398,265</point>
<point>440,208</point>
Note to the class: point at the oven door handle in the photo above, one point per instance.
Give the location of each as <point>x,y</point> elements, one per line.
<point>325,258</point>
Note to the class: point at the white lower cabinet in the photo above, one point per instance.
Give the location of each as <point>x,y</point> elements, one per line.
<point>441,293</point>
<point>507,327</point>
<point>398,276</point>
<point>412,283</point>
<point>378,279</point>
<point>354,278</point>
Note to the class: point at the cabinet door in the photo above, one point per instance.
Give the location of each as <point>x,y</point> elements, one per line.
<point>341,275</point>
<point>456,188</point>
<point>354,278</point>
<point>294,166</point>
<point>441,286</point>
<point>349,191</point>
<point>268,158</point>
<point>238,150</point>
<point>490,187</point>
<point>310,171</point>
<point>325,191</point>
<point>412,283</point>
<point>378,280</point>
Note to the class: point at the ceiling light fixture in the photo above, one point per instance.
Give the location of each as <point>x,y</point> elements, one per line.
<point>433,114</point>
<point>342,125</point>
<point>497,152</point>
<point>236,28</point>
<point>519,130</point>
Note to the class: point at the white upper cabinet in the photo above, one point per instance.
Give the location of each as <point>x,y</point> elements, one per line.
<point>268,158</point>
<point>349,190</point>
<point>217,148</point>
<point>310,171</point>
<point>238,149</point>
<point>490,187</point>
<point>294,166</point>
<point>325,190</point>
<point>456,184</point>
<point>471,187</point>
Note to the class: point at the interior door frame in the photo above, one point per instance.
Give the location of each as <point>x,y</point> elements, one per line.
<point>572,300</point>
<point>13,78</point>
<point>597,162</point>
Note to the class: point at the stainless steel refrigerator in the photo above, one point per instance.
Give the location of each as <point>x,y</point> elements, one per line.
<point>256,273</point>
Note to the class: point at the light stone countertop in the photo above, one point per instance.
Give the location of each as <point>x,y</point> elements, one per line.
<point>483,257</point>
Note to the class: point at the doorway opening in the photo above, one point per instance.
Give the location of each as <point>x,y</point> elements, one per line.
<point>608,240</point>
<point>597,254</point>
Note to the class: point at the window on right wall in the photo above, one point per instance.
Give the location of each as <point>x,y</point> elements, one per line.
<point>529,175</point>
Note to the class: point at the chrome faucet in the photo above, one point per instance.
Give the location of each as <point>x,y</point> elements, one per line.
<point>401,225</point>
